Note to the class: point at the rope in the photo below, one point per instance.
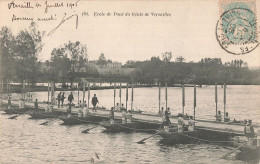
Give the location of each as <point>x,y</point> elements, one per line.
<point>206,140</point>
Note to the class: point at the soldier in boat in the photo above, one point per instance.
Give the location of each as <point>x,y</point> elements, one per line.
<point>122,108</point>
<point>59,98</point>
<point>9,101</point>
<point>227,118</point>
<point>181,124</point>
<point>117,108</point>
<point>161,112</point>
<point>169,111</point>
<point>36,104</point>
<point>80,110</point>
<point>80,104</point>
<point>85,109</point>
<point>218,116</point>
<point>62,99</point>
<point>166,121</point>
<point>250,133</point>
<point>124,116</point>
<point>191,124</point>
<point>21,104</point>
<point>94,102</point>
<point>129,117</point>
<point>112,116</point>
<point>70,99</point>
<point>9,104</point>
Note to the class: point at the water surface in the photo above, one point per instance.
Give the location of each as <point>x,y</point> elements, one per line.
<point>23,140</point>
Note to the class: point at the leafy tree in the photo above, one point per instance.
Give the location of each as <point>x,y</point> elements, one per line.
<point>102,61</point>
<point>180,59</point>
<point>59,65</point>
<point>6,54</point>
<point>67,61</point>
<point>167,56</point>
<point>28,44</point>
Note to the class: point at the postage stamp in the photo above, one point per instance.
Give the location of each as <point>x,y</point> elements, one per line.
<point>236,30</point>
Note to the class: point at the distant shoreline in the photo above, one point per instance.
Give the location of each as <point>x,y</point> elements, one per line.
<point>18,88</point>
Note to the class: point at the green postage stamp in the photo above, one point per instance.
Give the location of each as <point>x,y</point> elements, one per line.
<point>236,30</point>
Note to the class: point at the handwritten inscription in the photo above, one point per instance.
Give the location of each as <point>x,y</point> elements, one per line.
<point>50,18</point>
<point>54,5</point>
<point>19,18</point>
<point>68,12</point>
<point>64,19</point>
<point>15,18</point>
<point>49,5</point>
<point>14,5</point>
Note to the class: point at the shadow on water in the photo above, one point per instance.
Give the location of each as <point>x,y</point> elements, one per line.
<point>252,157</point>
<point>249,157</point>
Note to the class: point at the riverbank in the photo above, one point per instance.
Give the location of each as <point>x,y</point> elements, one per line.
<point>41,88</point>
<point>34,88</point>
<point>19,89</point>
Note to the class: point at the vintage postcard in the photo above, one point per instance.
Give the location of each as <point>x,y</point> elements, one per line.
<point>167,81</point>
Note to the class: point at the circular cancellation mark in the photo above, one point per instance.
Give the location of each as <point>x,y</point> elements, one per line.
<point>236,31</point>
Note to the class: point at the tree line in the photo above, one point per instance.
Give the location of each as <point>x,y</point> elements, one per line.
<point>68,63</point>
<point>207,71</point>
<point>19,54</point>
<point>19,58</point>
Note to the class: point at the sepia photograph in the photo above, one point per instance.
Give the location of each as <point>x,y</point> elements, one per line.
<point>129,82</point>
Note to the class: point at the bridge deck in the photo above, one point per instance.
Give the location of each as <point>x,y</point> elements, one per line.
<point>149,118</point>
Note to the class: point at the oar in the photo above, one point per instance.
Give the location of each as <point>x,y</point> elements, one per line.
<point>227,154</point>
<point>142,141</point>
<point>46,122</point>
<point>13,117</point>
<point>86,131</point>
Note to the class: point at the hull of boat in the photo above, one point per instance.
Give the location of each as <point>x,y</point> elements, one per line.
<point>75,120</point>
<point>17,111</point>
<point>43,115</point>
<point>136,112</point>
<point>187,137</point>
<point>127,127</point>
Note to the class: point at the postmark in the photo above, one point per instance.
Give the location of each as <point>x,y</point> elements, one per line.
<point>236,31</point>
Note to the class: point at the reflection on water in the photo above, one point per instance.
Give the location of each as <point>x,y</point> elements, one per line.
<point>23,140</point>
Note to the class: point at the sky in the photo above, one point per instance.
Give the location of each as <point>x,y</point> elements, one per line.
<point>189,31</point>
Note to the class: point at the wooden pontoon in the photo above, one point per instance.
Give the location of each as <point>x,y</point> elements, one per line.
<point>209,130</point>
